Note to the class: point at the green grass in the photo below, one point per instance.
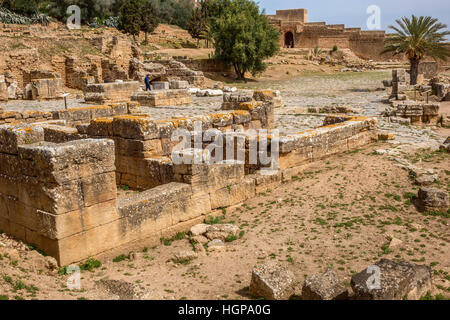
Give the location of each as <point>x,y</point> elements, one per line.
<point>121,257</point>
<point>214,220</point>
<point>231,238</point>
<point>90,264</point>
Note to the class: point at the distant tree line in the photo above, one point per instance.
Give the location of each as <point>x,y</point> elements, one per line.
<point>176,12</point>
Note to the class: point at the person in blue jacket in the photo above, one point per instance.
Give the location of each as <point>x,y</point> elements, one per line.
<point>147,83</point>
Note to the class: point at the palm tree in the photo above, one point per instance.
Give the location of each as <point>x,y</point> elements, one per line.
<point>416,38</point>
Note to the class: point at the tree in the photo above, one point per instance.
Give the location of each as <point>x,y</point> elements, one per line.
<point>196,25</point>
<point>176,12</point>
<point>242,35</point>
<point>149,18</point>
<point>130,19</point>
<point>25,7</point>
<point>416,38</point>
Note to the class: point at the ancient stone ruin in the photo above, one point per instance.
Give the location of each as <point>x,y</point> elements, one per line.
<point>412,104</point>
<point>59,179</point>
<point>298,32</point>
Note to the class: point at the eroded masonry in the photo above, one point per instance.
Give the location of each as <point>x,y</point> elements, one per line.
<point>59,171</point>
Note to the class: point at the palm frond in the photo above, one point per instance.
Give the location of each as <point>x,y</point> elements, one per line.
<point>417,37</point>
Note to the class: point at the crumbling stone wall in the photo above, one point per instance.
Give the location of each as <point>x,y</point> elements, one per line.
<point>156,98</point>
<point>144,146</point>
<point>400,84</point>
<point>56,196</point>
<point>23,117</point>
<point>58,184</point>
<point>176,70</point>
<point>83,115</point>
<point>418,112</point>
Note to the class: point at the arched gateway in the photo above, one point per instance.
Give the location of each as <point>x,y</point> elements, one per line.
<point>289,40</point>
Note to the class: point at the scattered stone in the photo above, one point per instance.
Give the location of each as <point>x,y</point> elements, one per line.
<point>51,263</point>
<point>395,243</point>
<point>397,280</point>
<point>272,282</point>
<point>218,85</point>
<point>405,121</point>
<point>132,256</point>
<point>426,179</point>
<point>445,146</point>
<point>199,229</point>
<point>216,245</point>
<point>199,248</point>
<point>433,200</point>
<point>185,255</point>
<point>326,286</point>
<point>383,136</point>
<point>193,90</point>
<point>209,93</point>
<point>221,231</point>
<point>13,254</point>
<point>123,290</point>
<point>228,89</point>
<point>199,239</point>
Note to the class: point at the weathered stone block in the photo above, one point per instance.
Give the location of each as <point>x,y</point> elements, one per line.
<point>46,88</point>
<point>13,136</point>
<point>100,127</point>
<point>432,200</point>
<point>161,85</point>
<point>60,134</point>
<point>60,226</point>
<point>272,282</point>
<point>110,92</point>
<point>326,286</point>
<point>58,163</point>
<point>139,148</point>
<point>135,127</point>
<point>398,280</point>
<point>179,84</point>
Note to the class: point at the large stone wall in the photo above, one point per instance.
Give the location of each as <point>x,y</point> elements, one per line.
<point>293,25</point>
<point>58,184</point>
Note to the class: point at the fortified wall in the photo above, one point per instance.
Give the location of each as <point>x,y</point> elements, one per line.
<point>297,32</point>
<point>59,178</point>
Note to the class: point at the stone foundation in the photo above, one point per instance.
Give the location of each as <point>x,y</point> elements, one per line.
<point>418,112</point>
<point>102,93</point>
<point>156,98</point>
<point>58,183</point>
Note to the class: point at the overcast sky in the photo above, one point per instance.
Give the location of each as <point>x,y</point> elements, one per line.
<point>352,13</point>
